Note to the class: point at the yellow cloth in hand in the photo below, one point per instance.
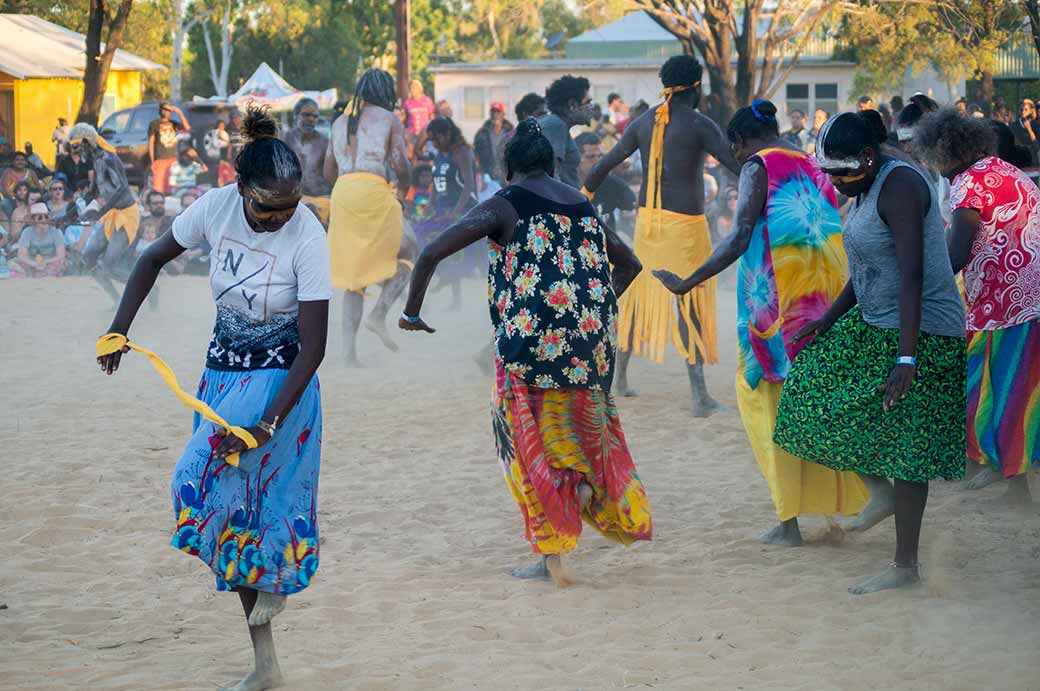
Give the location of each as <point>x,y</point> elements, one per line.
<point>128,219</point>
<point>113,342</point>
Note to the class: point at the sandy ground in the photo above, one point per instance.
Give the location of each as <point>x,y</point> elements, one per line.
<point>419,531</point>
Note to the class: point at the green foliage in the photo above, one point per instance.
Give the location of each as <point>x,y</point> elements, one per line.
<point>958,38</point>
<point>147,30</point>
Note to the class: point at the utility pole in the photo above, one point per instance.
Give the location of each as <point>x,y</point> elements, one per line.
<point>403,26</point>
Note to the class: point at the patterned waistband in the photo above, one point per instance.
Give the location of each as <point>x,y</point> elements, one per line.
<point>239,343</point>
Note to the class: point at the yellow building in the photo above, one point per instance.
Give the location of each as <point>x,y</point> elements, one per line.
<point>41,79</point>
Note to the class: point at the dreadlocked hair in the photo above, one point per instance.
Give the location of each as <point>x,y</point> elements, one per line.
<point>264,157</point>
<point>376,87</point>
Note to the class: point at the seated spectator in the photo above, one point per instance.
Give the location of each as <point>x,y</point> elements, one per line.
<point>154,222</point>
<point>18,172</point>
<point>57,201</point>
<point>189,197</point>
<point>726,211</point>
<point>185,170</point>
<point>75,167</point>
<point>41,247</point>
<point>20,210</point>
<point>35,163</point>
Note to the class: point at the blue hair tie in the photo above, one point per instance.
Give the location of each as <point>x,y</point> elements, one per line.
<point>754,110</point>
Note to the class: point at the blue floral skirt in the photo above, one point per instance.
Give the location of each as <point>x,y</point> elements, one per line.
<point>256,525</point>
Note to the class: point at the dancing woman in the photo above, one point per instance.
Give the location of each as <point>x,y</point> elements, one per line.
<point>881,390</point>
<point>787,238</point>
<point>554,311</point>
<point>254,525</point>
<point>995,239</point>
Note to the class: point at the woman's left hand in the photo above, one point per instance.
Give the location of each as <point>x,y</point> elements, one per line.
<point>231,444</point>
<point>900,379</point>
<point>672,282</point>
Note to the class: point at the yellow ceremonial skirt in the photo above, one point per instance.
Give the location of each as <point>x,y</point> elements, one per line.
<point>798,487</point>
<point>128,219</point>
<point>365,228</point>
<point>321,204</point>
<point>648,317</point>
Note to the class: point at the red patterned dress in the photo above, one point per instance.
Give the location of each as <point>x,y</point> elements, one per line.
<point>1002,287</point>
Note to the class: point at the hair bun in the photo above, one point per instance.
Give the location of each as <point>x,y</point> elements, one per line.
<point>876,125</point>
<point>528,128</point>
<point>763,109</point>
<point>258,124</point>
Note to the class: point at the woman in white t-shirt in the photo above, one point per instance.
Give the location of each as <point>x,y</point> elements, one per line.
<point>254,525</point>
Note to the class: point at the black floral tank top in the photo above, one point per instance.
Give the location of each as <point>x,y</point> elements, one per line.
<point>552,304</point>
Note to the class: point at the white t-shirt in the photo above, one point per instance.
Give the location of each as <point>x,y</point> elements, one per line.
<point>262,275</point>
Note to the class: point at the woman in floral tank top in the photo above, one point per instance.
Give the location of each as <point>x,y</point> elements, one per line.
<point>553,305</point>
<point>995,240</point>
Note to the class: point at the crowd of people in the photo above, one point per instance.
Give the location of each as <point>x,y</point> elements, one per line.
<point>865,371</point>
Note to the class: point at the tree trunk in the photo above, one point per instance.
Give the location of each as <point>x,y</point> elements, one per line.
<point>986,91</point>
<point>98,63</point>
<point>403,30</point>
<point>1033,7</point>
<point>227,49</point>
<point>180,31</point>
<point>494,34</point>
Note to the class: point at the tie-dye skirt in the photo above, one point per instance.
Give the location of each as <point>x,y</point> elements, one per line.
<point>1004,398</point>
<point>256,525</point>
<point>549,441</point>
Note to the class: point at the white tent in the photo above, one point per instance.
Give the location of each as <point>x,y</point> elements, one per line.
<point>267,88</point>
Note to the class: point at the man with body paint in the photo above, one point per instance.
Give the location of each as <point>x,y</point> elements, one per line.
<point>310,146</point>
<point>671,231</point>
<point>107,252</point>
<point>366,222</point>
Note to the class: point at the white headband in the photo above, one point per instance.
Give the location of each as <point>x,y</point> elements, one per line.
<point>826,162</point>
<point>904,134</point>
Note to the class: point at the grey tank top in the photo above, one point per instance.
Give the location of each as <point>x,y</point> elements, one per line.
<point>875,272</point>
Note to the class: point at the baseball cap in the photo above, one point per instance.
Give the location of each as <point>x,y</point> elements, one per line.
<point>498,106</point>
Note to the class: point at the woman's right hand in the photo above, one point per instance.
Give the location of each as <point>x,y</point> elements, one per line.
<point>110,363</point>
<point>813,329</point>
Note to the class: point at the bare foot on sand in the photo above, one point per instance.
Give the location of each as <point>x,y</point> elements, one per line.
<point>984,478</point>
<point>1018,491</point>
<point>378,327</point>
<point>894,576</point>
<point>267,607</point>
<point>561,576</point>
<point>786,534</point>
<point>258,681</point>
<point>623,389</point>
<point>536,571</point>
<point>882,504</point>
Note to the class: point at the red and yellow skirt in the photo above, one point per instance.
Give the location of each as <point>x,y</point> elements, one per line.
<point>549,441</point>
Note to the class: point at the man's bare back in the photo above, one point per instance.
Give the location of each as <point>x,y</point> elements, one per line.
<point>378,146</point>
<point>689,137</point>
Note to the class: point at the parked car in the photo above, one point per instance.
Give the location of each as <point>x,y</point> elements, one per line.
<point>127,131</point>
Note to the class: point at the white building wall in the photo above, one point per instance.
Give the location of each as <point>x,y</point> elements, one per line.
<point>509,84</point>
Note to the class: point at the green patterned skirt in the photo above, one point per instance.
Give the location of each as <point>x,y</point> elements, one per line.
<point>831,409</point>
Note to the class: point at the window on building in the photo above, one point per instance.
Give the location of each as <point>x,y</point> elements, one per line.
<point>473,106</point>
<point>797,98</point>
<point>827,97</point>
<point>500,94</point>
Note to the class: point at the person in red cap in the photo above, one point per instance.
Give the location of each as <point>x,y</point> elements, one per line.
<point>489,143</point>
